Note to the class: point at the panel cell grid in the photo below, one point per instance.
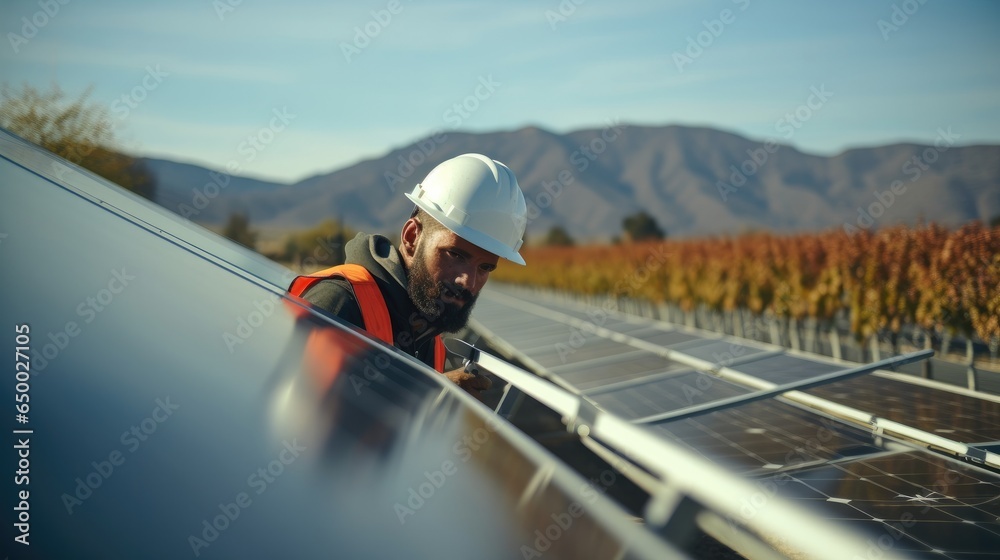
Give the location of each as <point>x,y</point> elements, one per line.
<point>666,394</point>
<point>598,373</point>
<point>929,506</point>
<point>722,352</point>
<point>565,352</point>
<point>766,435</point>
<point>952,415</point>
<point>783,368</point>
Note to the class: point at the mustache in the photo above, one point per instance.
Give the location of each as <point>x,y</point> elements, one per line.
<point>460,293</point>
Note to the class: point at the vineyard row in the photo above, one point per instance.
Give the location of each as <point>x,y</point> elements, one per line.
<point>936,279</point>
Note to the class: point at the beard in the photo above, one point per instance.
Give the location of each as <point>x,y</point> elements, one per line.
<point>425,294</point>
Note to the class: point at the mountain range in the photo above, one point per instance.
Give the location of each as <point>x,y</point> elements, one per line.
<point>694,181</point>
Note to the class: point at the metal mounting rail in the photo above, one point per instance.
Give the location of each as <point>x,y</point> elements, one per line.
<point>808,383</point>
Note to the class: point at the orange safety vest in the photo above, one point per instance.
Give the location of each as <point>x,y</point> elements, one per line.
<point>373,309</point>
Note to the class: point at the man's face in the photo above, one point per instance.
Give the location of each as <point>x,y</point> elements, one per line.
<point>445,277</point>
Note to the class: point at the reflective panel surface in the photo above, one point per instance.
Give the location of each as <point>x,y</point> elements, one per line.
<point>913,501</point>
<point>665,394</point>
<point>956,416</point>
<point>767,435</point>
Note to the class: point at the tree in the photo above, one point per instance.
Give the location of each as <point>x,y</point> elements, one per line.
<point>641,227</point>
<point>76,130</point>
<point>558,237</point>
<point>320,246</point>
<point>238,229</point>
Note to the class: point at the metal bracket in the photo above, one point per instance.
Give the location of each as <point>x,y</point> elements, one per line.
<point>976,455</point>
<point>584,419</point>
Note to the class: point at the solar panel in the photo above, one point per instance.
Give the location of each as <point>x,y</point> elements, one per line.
<point>767,435</point>
<point>721,351</point>
<point>957,416</point>
<point>912,501</point>
<point>664,394</point>
<point>566,352</point>
<point>784,368</point>
<point>670,339</point>
<point>593,375</point>
<point>170,225</point>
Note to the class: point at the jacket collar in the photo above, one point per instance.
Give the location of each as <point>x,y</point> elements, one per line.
<point>382,259</point>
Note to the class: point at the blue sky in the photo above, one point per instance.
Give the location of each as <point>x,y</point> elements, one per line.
<point>204,75</point>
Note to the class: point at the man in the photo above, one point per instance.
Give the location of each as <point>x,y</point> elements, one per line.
<point>469,213</point>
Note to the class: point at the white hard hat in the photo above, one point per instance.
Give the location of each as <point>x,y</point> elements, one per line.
<point>477,198</point>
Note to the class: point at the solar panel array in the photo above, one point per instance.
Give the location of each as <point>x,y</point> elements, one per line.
<point>907,498</point>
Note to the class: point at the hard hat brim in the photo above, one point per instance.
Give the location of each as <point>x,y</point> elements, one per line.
<point>477,238</point>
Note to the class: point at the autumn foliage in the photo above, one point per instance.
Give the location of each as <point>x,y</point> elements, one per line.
<point>926,276</point>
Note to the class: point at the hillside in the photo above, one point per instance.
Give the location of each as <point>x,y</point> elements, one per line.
<point>696,181</point>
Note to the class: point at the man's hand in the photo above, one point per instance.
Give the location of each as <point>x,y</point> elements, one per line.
<point>474,383</point>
